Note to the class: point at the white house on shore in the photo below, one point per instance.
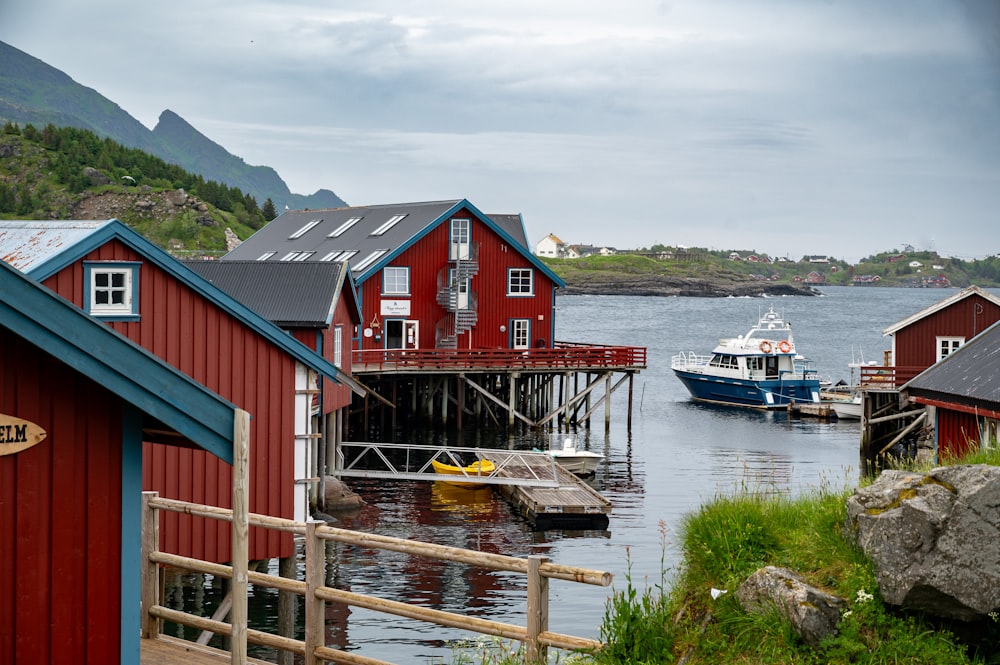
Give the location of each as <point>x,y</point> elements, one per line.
<point>551,246</point>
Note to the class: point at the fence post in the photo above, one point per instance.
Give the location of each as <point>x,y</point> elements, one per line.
<point>315,619</point>
<point>240,535</point>
<point>538,611</point>
<point>150,570</point>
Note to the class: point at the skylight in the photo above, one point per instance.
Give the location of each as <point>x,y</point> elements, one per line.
<point>297,256</point>
<point>343,227</point>
<point>265,256</point>
<point>340,255</point>
<point>305,229</point>
<point>370,259</point>
<point>395,219</point>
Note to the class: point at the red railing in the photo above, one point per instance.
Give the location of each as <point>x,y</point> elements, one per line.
<point>889,377</point>
<point>565,355</point>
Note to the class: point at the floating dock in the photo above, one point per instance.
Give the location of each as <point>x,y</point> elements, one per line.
<point>812,410</point>
<point>572,505</point>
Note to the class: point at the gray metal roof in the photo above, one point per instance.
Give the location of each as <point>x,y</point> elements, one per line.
<point>367,237</point>
<point>28,244</point>
<point>970,375</point>
<point>287,294</point>
<point>513,225</point>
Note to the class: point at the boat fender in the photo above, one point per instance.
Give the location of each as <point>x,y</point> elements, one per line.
<point>765,346</point>
<point>784,346</point>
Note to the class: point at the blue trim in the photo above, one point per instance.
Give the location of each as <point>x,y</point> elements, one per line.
<point>132,267</point>
<point>116,230</point>
<point>506,237</point>
<point>131,547</point>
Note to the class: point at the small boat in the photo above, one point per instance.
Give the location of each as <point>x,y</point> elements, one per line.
<point>848,409</point>
<point>761,369</point>
<point>470,472</point>
<point>579,462</point>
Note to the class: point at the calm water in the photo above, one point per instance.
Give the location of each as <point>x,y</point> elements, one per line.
<point>679,455</point>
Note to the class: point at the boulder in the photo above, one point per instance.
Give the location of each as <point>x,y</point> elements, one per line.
<point>178,197</point>
<point>813,613</point>
<point>932,538</point>
<point>95,177</point>
<point>339,496</point>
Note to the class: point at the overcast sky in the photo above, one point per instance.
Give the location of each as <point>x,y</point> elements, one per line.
<point>787,127</point>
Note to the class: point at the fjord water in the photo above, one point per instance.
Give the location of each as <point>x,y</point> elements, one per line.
<point>678,455</point>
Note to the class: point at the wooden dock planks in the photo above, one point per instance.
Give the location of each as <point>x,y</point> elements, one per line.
<point>572,505</point>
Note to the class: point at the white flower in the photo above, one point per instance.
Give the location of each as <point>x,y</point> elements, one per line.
<point>716,593</point>
<point>847,614</point>
<point>863,596</point>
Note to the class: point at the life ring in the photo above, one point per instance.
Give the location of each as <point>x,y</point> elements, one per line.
<point>784,346</point>
<point>765,346</point>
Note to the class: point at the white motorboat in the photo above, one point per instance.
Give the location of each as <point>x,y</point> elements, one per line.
<point>579,462</point>
<point>848,409</point>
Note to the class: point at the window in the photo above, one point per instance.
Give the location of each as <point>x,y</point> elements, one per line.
<point>395,219</point>
<point>520,282</point>
<point>305,229</point>
<point>338,347</point>
<point>370,259</point>
<point>297,256</point>
<point>948,345</point>
<point>265,256</point>
<point>340,255</point>
<point>520,333</point>
<point>112,289</point>
<point>337,232</point>
<point>461,237</point>
<point>396,281</point>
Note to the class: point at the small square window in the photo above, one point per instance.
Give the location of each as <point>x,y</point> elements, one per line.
<point>112,289</point>
<point>396,281</point>
<point>520,282</point>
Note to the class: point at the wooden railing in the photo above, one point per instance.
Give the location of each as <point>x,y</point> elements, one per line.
<point>888,377</point>
<point>565,355</point>
<point>534,635</point>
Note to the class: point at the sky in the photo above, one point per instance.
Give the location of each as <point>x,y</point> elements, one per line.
<point>784,127</point>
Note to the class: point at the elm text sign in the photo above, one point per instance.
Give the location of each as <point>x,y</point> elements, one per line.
<point>17,435</point>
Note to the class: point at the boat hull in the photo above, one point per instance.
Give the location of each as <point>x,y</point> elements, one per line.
<point>753,394</point>
<point>463,476</point>
<point>580,463</point>
<point>847,410</point>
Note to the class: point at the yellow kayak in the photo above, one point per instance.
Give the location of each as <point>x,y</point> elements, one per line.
<point>479,468</point>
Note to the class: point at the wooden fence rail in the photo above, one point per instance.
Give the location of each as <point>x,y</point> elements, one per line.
<point>535,635</point>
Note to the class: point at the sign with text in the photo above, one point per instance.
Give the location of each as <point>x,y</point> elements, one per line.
<point>395,308</point>
<point>17,434</point>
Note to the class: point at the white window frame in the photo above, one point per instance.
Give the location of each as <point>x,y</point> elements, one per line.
<point>945,346</point>
<point>391,222</point>
<point>265,256</point>
<point>122,299</point>
<point>460,247</point>
<point>338,346</point>
<point>370,259</point>
<point>399,285</point>
<point>305,229</point>
<point>337,232</point>
<point>517,288</point>
<point>520,333</point>
<point>340,255</point>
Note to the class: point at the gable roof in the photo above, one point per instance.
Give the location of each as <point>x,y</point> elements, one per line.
<point>513,225</point>
<point>375,235</point>
<point>168,396</point>
<point>940,305</point>
<point>46,247</point>
<point>290,295</point>
<point>970,375</point>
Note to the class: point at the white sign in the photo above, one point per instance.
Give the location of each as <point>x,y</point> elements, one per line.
<point>395,308</point>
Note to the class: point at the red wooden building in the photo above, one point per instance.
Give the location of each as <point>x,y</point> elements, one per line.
<point>111,272</point>
<point>430,275</point>
<point>963,394</point>
<point>77,401</point>
<point>934,332</point>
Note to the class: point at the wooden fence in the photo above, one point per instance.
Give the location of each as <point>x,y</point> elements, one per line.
<point>535,635</point>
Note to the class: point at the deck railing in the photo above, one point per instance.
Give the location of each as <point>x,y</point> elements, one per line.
<point>887,377</point>
<point>564,355</point>
<point>534,635</point>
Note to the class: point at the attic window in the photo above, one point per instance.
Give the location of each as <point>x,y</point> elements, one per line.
<point>340,255</point>
<point>305,229</point>
<point>112,289</point>
<point>395,219</point>
<point>343,227</point>
<point>297,256</point>
<point>370,259</point>
<point>265,256</point>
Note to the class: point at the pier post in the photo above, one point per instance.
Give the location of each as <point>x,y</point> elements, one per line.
<point>286,608</point>
<point>631,378</point>
<point>512,389</point>
<point>150,570</point>
<point>315,618</point>
<point>607,403</point>
<point>538,611</point>
<point>240,534</point>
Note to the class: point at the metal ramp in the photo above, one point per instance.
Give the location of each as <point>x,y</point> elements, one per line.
<point>400,461</point>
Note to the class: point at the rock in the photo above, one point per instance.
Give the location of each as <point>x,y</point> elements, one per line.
<point>933,538</point>
<point>813,613</point>
<point>339,496</point>
<point>178,197</point>
<point>95,177</point>
<point>232,240</point>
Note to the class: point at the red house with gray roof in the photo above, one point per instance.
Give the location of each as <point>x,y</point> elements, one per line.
<point>431,275</point>
<point>118,277</point>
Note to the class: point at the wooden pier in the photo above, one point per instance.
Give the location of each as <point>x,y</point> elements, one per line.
<point>572,505</point>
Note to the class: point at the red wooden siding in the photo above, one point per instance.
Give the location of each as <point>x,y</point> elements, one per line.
<point>189,332</point>
<point>60,515</point>
<point>957,432</point>
<point>429,256</point>
<point>915,345</point>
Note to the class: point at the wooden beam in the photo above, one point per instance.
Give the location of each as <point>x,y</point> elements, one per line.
<point>240,533</point>
<point>497,399</point>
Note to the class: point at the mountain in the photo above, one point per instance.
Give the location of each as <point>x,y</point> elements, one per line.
<point>34,92</point>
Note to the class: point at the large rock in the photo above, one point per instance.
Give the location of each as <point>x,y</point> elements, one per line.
<point>813,613</point>
<point>933,538</point>
<point>339,496</point>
